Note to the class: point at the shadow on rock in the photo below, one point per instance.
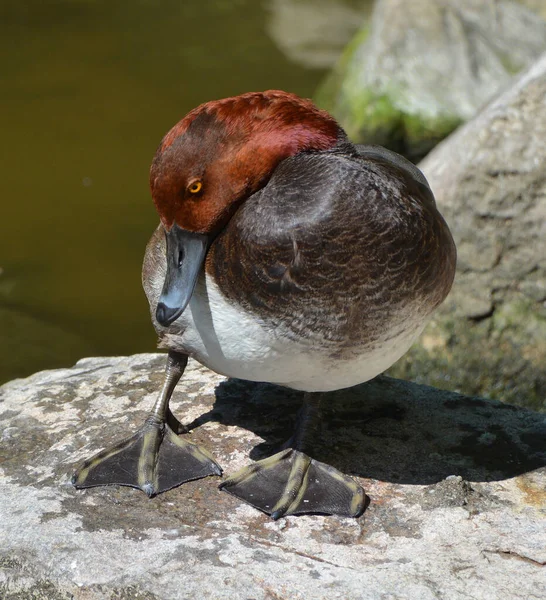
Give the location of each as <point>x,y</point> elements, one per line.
<point>393,430</point>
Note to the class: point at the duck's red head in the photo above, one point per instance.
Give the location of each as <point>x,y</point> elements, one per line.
<point>225,150</point>
<point>211,161</point>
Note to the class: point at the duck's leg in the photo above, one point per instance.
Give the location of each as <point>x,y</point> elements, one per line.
<point>155,459</point>
<point>292,483</point>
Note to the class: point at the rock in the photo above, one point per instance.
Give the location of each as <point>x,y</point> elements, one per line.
<point>329,25</point>
<point>456,487</point>
<point>489,179</point>
<point>538,6</point>
<point>421,68</point>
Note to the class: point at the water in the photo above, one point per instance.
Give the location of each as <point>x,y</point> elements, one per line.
<point>89,87</point>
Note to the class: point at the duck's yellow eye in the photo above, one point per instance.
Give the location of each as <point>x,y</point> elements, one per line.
<point>195,186</point>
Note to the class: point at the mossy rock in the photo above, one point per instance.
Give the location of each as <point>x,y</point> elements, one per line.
<point>374,118</point>
<point>407,79</point>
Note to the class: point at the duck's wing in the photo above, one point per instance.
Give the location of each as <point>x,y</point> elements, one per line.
<point>389,157</point>
<point>333,244</point>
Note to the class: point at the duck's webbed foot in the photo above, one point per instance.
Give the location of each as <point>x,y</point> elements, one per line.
<point>292,483</point>
<point>155,459</point>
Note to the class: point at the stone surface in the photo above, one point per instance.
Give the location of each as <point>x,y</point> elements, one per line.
<point>313,33</point>
<point>489,179</point>
<point>538,6</point>
<point>456,486</point>
<point>421,68</point>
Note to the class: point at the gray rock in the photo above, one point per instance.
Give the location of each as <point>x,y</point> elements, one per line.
<point>489,179</point>
<point>313,33</point>
<point>456,487</point>
<point>538,6</point>
<point>421,68</point>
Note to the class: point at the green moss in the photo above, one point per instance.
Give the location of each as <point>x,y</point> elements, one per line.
<point>376,118</point>
<point>371,118</point>
<point>418,129</point>
<point>509,63</point>
<point>327,95</point>
<point>374,111</point>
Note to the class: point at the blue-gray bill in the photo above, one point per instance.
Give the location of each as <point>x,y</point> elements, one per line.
<point>186,253</point>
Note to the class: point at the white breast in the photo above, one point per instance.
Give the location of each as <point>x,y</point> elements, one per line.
<point>231,341</point>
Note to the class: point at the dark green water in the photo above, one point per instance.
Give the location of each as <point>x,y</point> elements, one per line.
<point>89,87</point>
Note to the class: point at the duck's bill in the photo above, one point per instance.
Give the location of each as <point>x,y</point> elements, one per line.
<point>185,256</point>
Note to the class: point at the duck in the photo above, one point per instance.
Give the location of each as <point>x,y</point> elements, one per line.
<point>284,254</point>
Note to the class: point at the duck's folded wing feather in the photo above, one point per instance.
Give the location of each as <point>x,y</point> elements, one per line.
<point>331,238</point>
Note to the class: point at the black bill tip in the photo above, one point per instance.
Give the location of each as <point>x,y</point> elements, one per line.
<point>166,315</point>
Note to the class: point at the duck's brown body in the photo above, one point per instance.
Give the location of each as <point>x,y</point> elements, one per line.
<point>285,254</point>
<point>322,279</point>
<point>340,263</point>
